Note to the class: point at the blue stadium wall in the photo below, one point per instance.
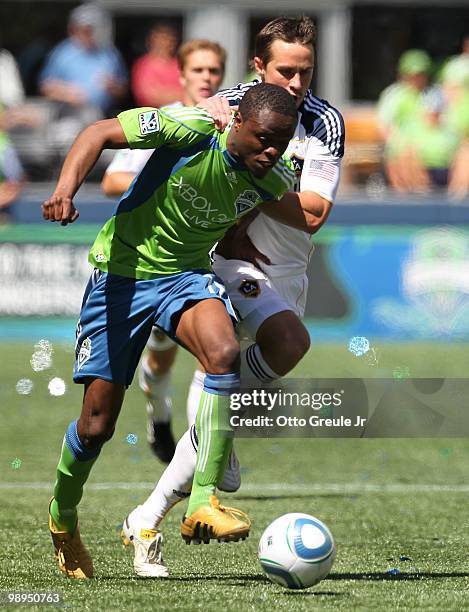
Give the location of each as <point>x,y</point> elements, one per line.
<point>394,270</point>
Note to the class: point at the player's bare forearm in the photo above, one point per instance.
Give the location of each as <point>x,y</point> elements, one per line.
<point>116,183</point>
<point>236,243</point>
<point>306,211</point>
<point>79,161</point>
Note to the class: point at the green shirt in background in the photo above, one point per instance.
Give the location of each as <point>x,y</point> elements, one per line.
<point>457,115</point>
<point>434,144</point>
<point>398,104</point>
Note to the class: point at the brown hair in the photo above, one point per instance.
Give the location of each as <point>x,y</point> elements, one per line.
<point>200,44</point>
<point>299,30</point>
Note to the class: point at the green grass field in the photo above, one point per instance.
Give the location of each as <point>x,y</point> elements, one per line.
<point>390,503</point>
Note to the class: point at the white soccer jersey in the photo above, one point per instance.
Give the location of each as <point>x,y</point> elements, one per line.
<point>316,150</point>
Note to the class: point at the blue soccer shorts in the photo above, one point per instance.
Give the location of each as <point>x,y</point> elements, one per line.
<point>118,312</point>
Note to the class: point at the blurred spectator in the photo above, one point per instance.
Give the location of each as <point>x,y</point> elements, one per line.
<point>11,87</point>
<point>85,69</point>
<point>155,75</point>
<point>202,67</point>
<point>455,86</point>
<point>11,93</point>
<point>429,145</point>
<point>11,177</point>
<point>398,106</point>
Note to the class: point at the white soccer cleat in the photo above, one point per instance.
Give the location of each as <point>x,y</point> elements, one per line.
<point>147,543</point>
<point>232,476</point>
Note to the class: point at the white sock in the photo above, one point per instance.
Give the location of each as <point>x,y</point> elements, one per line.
<point>193,397</point>
<point>175,483</point>
<point>157,388</point>
<point>253,365</point>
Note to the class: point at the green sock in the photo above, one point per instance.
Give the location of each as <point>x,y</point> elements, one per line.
<point>68,489</point>
<point>215,443</point>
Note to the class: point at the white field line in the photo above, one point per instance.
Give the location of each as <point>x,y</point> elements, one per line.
<point>265,488</point>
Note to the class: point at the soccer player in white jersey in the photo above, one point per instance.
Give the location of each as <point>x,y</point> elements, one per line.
<point>202,67</point>
<point>268,292</point>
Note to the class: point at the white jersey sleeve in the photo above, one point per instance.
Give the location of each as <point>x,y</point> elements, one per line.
<point>324,138</point>
<point>129,160</point>
<point>321,170</point>
<point>316,151</point>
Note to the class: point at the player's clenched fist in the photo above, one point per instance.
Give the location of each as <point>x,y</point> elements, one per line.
<point>59,208</point>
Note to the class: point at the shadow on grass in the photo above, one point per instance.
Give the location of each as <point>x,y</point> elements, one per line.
<point>401,576</point>
<point>236,578</point>
<point>245,579</point>
<point>276,496</point>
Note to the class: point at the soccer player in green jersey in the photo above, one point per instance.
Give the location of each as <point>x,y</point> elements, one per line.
<point>152,267</point>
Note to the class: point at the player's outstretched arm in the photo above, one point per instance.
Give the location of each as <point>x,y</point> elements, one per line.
<point>81,158</point>
<point>306,211</point>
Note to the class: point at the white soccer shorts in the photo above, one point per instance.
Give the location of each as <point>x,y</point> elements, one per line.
<point>255,296</point>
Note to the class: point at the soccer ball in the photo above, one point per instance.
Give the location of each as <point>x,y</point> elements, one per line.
<point>296,550</point>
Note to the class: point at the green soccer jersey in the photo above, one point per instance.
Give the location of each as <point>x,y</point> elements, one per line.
<point>188,194</point>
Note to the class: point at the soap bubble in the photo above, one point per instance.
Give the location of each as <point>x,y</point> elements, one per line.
<point>24,386</point>
<point>57,386</point>
<point>359,345</point>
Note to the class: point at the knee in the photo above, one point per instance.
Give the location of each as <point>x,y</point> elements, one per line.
<point>97,433</point>
<point>223,358</point>
<point>295,345</point>
<point>286,349</point>
<point>101,406</point>
<point>300,344</point>
<point>96,429</point>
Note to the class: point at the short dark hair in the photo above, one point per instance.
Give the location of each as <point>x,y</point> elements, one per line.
<point>270,97</point>
<point>299,30</point>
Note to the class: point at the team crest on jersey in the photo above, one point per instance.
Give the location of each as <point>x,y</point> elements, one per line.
<point>85,352</point>
<point>149,122</point>
<point>247,200</point>
<point>249,288</point>
<point>231,176</point>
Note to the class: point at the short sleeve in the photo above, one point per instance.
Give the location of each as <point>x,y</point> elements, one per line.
<point>150,128</point>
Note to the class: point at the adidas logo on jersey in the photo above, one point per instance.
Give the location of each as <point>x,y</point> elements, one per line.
<point>247,200</point>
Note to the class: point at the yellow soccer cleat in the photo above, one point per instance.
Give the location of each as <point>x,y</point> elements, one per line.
<point>72,557</point>
<point>215,522</point>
